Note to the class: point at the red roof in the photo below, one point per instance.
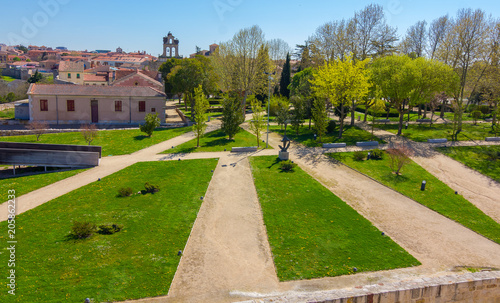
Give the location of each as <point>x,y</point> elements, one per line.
<point>94,78</point>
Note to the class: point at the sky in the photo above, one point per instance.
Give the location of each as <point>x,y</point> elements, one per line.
<point>141,25</point>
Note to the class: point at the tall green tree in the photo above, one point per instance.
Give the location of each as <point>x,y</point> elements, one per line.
<point>342,82</point>
<point>232,116</point>
<point>285,78</point>
<point>201,106</point>
<point>165,69</point>
<point>257,123</point>
<point>320,118</point>
<point>35,78</point>
<point>297,115</point>
<point>301,86</point>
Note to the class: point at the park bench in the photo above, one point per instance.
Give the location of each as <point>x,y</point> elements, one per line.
<point>383,120</point>
<point>424,120</point>
<point>492,138</point>
<point>334,145</point>
<point>367,143</point>
<point>443,140</point>
<point>246,149</point>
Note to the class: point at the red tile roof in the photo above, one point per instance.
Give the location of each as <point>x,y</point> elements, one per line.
<point>94,90</point>
<point>94,78</point>
<point>69,66</point>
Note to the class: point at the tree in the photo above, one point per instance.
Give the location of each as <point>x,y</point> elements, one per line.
<point>38,128</point>
<point>283,112</point>
<point>36,77</point>
<point>400,156</point>
<point>22,48</point>
<point>16,59</point>
<point>394,75</point>
<point>320,118</point>
<point>201,106</point>
<point>437,33</point>
<point>342,83</point>
<point>232,116</point>
<point>285,78</point>
<point>297,115</point>
<point>150,123</point>
<point>415,40</point>
<point>257,123</point>
<point>89,132</point>
<point>238,64</point>
<point>165,69</point>
<point>377,108</point>
<point>301,86</point>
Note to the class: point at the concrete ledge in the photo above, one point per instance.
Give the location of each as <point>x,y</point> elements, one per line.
<point>437,140</point>
<point>334,145</point>
<point>244,149</point>
<point>367,143</point>
<point>492,139</point>
<point>383,120</point>
<point>424,120</point>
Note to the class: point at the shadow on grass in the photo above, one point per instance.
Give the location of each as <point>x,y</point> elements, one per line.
<point>276,161</point>
<point>394,179</point>
<point>140,137</point>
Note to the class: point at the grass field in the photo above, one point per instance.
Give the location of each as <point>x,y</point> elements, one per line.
<point>437,195</point>
<point>113,142</point>
<point>216,141</point>
<point>25,184</point>
<point>7,113</point>
<point>313,233</point>
<point>139,261</point>
<point>351,135</point>
<point>421,133</point>
<point>7,78</point>
<point>484,159</point>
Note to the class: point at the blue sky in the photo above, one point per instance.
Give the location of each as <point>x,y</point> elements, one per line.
<point>140,25</point>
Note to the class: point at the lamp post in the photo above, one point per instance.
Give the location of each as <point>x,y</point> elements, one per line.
<point>268,106</point>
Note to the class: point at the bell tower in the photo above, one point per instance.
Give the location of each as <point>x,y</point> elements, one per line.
<point>170,47</point>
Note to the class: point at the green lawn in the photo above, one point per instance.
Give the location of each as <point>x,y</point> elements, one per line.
<point>351,135</point>
<point>484,159</point>
<point>139,261</point>
<point>7,113</point>
<point>113,142</point>
<point>25,184</point>
<point>421,133</point>
<point>7,78</point>
<point>437,195</point>
<point>216,141</point>
<point>313,233</point>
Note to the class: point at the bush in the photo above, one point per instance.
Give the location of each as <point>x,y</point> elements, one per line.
<point>83,230</point>
<point>476,115</point>
<point>492,155</point>
<point>109,229</point>
<point>125,192</point>
<point>332,125</point>
<point>358,156</point>
<point>150,123</point>
<point>151,188</point>
<point>376,154</point>
<point>287,165</point>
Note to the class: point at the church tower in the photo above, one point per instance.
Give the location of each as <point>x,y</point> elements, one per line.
<point>170,48</point>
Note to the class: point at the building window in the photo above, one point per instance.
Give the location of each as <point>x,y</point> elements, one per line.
<point>136,83</point>
<point>153,110</point>
<point>118,106</point>
<point>142,106</point>
<point>70,105</point>
<point>78,76</point>
<point>44,105</point>
<point>69,75</point>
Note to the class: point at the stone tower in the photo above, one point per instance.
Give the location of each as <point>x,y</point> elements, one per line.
<point>170,47</point>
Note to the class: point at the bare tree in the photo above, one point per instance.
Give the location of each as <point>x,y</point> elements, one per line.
<point>415,39</point>
<point>38,128</point>
<point>400,156</point>
<point>370,23</point>
<point>437,33</point>
<point>89,132</point>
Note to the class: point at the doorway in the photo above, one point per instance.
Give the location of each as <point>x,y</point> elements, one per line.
<point>94,111</point>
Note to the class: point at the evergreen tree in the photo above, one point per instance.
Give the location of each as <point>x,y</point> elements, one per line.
<point>201,106</point>
<point>232,116</point>
<point>36,77</point>
<point>320,117</point>
<point>285,78</point>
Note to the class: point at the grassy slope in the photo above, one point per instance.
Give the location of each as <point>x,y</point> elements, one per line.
<point>113,142</point>
<point>437,195</point>
<point>7,113</point>
<point>139,261</point>
<point>476,157</point>
<point>25,184</point>
<point>421,133</point>
<point>216,141</point>
<point>313,233</point>
<point>351,135</point>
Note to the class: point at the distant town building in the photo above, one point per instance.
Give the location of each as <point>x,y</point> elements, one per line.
<point>71,104</point>
<point>102,51</point>
<point>71,72</point>
<point>63,48</point>
<point>119,50</point>
<point>4,57</point>
<point>170,48</point>
<point>206,53</point>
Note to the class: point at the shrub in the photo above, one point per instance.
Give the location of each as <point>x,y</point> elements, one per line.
<point>83,230</point>
<point>89,132</point>
<point>109,229</point>
<point>476,115</point>
<point>358,156</point>
<point>125,192</point>
<point>150,123</point>
<point>492,155</point>
<point>400,156</point>
<point>287,165</point>
<point>376,154</point>
<point>332,125</point>
<point>151,188</point>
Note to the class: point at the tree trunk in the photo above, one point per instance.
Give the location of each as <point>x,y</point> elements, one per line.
<point>425,111</point>
<point>419,110</point>
<point>185,101</point>
<point>365,115</point>
<point>401,115</point>
<point>494,118</point>
<point>443,104</point>
<point>244,103</point>
<point>341,129</point>
<point>353,110</point>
